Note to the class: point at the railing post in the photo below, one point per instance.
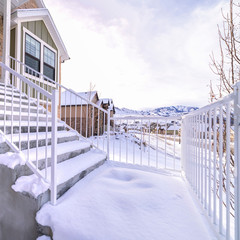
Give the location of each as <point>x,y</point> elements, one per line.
<point>183,145</point>
<point>108,134</point>
<point>54,110</point>
<point>236,159</point>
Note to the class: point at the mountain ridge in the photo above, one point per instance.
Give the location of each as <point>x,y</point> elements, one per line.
<point>160,111</point>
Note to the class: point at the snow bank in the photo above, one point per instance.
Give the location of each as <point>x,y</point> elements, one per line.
<point>33,185</point>
<point>121,202</point>
<point>11,159</point>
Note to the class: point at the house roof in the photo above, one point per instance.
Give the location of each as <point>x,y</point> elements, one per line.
<point>69,99</point>
<point>43,14</point>
<point>107,101</point>
<point>99,102</point>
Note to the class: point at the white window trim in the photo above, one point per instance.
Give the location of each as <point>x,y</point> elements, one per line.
<point>42,44</point>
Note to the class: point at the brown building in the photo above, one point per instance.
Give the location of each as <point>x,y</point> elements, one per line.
<point>87,119</point>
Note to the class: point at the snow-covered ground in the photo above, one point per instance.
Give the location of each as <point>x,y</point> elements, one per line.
<point>127,148</point>
<point>126,202</point>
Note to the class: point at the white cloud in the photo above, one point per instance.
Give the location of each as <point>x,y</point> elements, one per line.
<point>136,55</point>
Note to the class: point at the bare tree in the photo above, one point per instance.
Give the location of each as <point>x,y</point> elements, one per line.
<point>227,68</point>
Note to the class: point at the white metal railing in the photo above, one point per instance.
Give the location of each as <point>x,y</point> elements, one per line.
<point>146,141</point>
<point>78,112</point>
<point>23,120</point>
<point>210,158</point>
<point>210,144</point>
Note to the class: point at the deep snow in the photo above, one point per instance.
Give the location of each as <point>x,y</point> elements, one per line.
<point>126,202</point>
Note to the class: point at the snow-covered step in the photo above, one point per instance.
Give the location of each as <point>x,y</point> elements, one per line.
<point>24,108</point>
<point>41,135</point>
<point>11,93</point>
<point>25,123</point>
<point>9,99</point>
<point>31,139</point>
<point>68,173</point>
<point>42,126</point>
<point>2,86</point>
<point>65,151</point>
<point>24,116</point>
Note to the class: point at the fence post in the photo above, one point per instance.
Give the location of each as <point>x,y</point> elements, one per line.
<point>54,110</point>
<point>183,145</point>
<point>236,159</point>
<point>108,135</point>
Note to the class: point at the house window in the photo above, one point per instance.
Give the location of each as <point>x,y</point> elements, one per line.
<point>49,63</point>
<point>40,57</point>
<point>32,54</point>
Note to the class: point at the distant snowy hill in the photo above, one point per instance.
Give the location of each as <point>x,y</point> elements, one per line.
<point>162,111</point>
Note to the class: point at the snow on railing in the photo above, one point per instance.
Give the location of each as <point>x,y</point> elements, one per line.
<point>24,120</point>
<point>144,140</point>
<point>78,112</point>
<point>210,157</point>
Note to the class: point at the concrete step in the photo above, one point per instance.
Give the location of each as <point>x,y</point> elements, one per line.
<point>2,86</point>
<point>24,116</point>
<point>68,173</point>
<point>9,99</point>
<point>24,108</point>
<point>15,128</point>
<point>13,93</point>
<point>65,151</point>
<point>31,140</point>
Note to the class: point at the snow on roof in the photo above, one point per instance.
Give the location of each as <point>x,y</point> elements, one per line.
<point>172,128</point>
<point>71,99</point>
<point>107,100</point>
<point>111,106</point>
<point>99,102</point>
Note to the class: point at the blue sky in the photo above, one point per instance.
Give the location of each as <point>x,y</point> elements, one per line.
<point>141,53</point>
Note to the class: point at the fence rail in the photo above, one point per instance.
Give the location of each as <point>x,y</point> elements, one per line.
<point>145,141</point>
<point>210,156</point>
<point>78,112</point>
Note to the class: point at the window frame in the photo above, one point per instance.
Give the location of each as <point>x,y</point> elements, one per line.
<point>50,66</point>
<point>42,44</point>
<point>33,57</point>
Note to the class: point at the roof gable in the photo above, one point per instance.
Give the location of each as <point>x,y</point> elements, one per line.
<point>44,15</point>
<point>68,99</point>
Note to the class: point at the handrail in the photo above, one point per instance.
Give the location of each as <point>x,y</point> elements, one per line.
<point>59,85</point>
<point>85,117</point>
<point>211,105</point>
<point>210,158</point>
<point>27,81</point>
<point>32,163</point>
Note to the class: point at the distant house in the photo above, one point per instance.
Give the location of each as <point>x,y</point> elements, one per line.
<point>107,103</point>
<point>82,117</point>
<point>173,129</point>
